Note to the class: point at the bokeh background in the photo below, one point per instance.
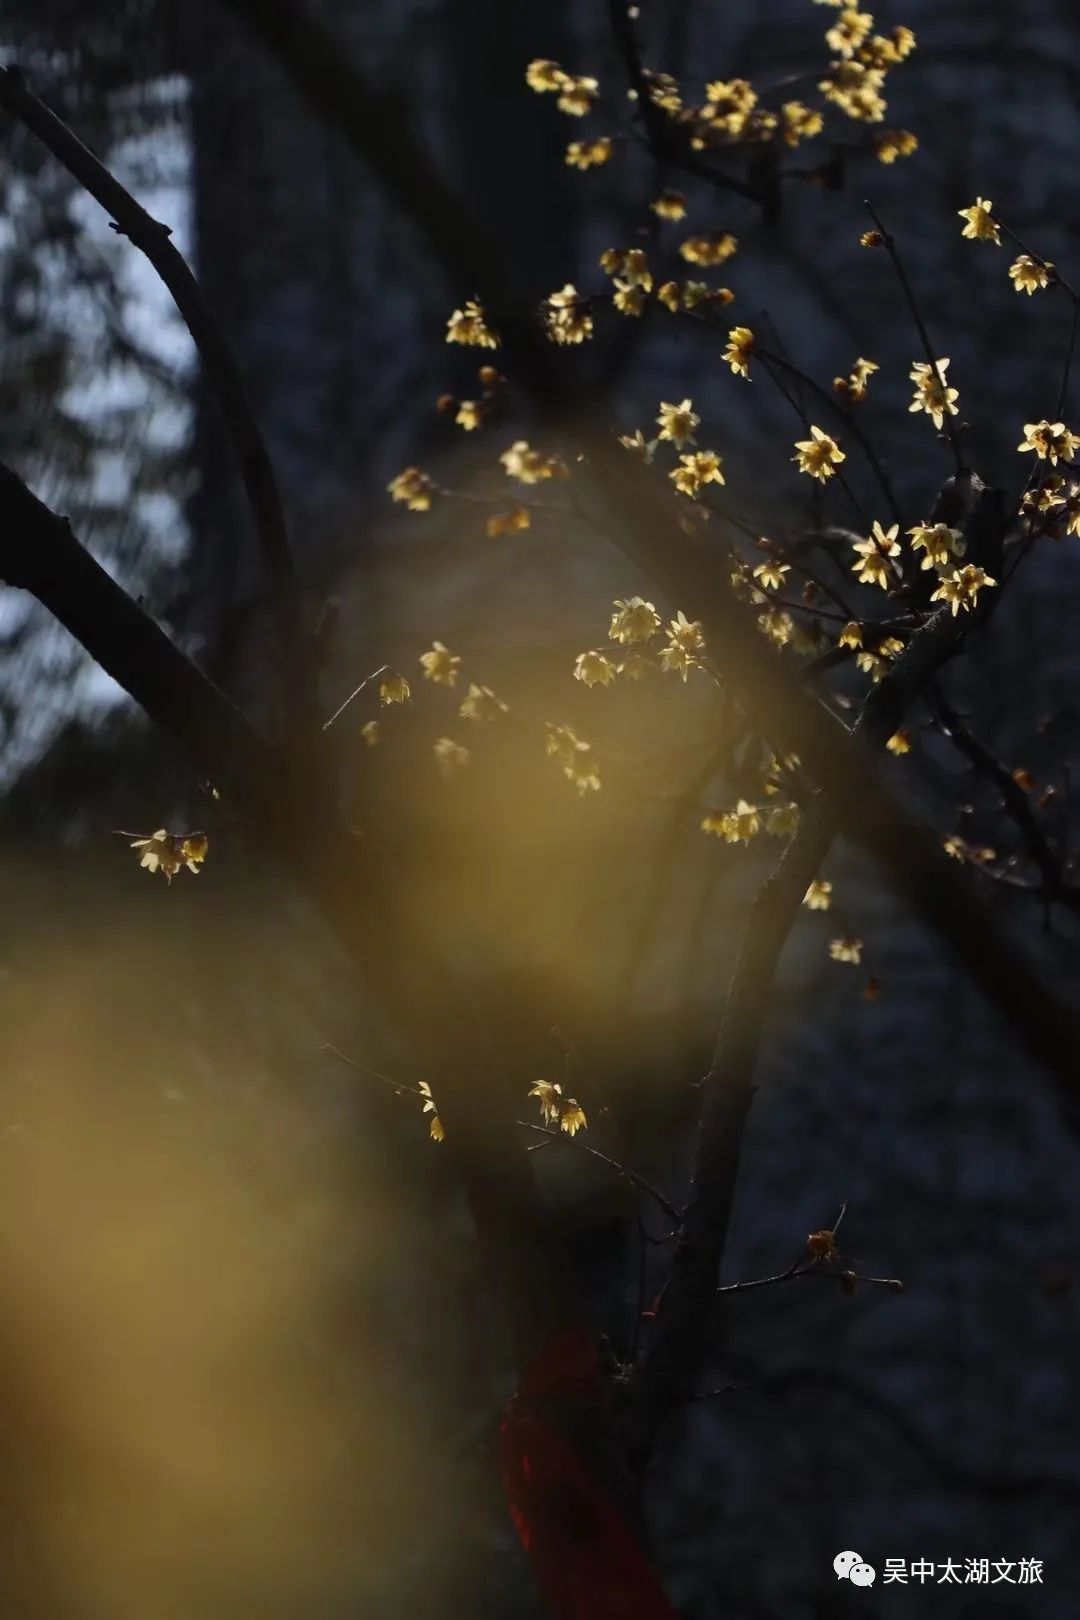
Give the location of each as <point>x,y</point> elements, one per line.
<point>248,1360</point>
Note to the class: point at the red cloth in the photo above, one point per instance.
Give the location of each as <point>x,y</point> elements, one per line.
<point>585,1556</point>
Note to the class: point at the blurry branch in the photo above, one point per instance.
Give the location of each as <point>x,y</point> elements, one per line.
<point>682,1329</point>
<point>222,373</point>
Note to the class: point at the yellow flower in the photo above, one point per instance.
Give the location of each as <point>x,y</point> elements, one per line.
<point>1050,441</point>
<point>435,1126</point>
<point>740,346</point>
<point>685,639</point>
<point>589,154</point>
<point>576,95</point>
<point>394,689</point>
<point>849,31</point>
<point>677,423</point>
<point>709,247</point>
<point>669,205</point>
<point>508,522</point>
<point>439,665</point>
<point>694,471</point>
<point>931,393</point>
<point>855,384</point>
<point>413,487</point>
<point>468,326</point>
<point>895,143</point>
<point>856,90</point>
<point>850,635</point>
<point>981,225</point>
<point>1028,274</point>
<point>801,123</point>
<point>669,294</point>
<point>771,574</point>
<point>168,853</point>
<point>569,750</point>
<point>530,466</point>
<point>449,755</point>
<point>566,316</point>
<point>555,1109</point>
<point>481,704</point>
<point>846,949</point>
<point>726,96</point>
<point>819,455</point>
<point>543,76</point>
<point>938,542</point>
<point>593,669</point>
<point>634,621</point>
<point>903,41</point>
<point>873,567</point>
<point>469,415</point>
<point>634,269</point>
<point>371,732</point>
<point>871,239</point>
<point>899,742</point>
<point>696,292</point>
<point>961,586</point>
<point>818,896</point>
<point>628,299</point>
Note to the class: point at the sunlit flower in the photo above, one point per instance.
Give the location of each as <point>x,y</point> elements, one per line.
<point>855,384</point>
<point>981,226</point>
<point>696,292</point>
<point>931,393</point>
<point>771,574</point>
<point>849,31</point>
<point>695,470</point>
<point>1028,274</point>
<point>669,205</point>
<point>801,123</point>
<point>634,620</point>
<point>468,326</point>
<point>628,298</point>
<point>543,76</point>
<point>677,423</point>
<point>818,896</point>
<point>740,346</point>
<point>470,414</point>
<point>819,455</point>
<point>589,154</point>
<point>1051,441</point>
<point>531,466</point>
<point>873,566</point>
<point>846,949</point>
<point>961,586</point>
<point>850,635</point>
<point>895,143</point>
<point>899,742</point>
<point>566,316</point>
<point>938,543</point>
<point>709,248</point>
<point>577,95</point>
<point>440,665</point>
<point>594,669</point>
<point>413,487</point>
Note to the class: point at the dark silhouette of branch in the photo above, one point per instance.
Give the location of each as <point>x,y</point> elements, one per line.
<point>153,239</point>
<point>682,1327</point>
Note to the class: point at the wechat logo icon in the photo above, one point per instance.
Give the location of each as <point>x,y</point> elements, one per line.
<point>849,1566</point>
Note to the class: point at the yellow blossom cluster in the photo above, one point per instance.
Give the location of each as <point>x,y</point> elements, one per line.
<point>575,94</point>
<point>589,154</point>
<point>819,456</point>
<point>530,466</point>
<point>413,488</point>
<point>932,394</point>
<point>469,327</point>
<point>567,316</point>
<point>855,384</point>
<point>569,750</point>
